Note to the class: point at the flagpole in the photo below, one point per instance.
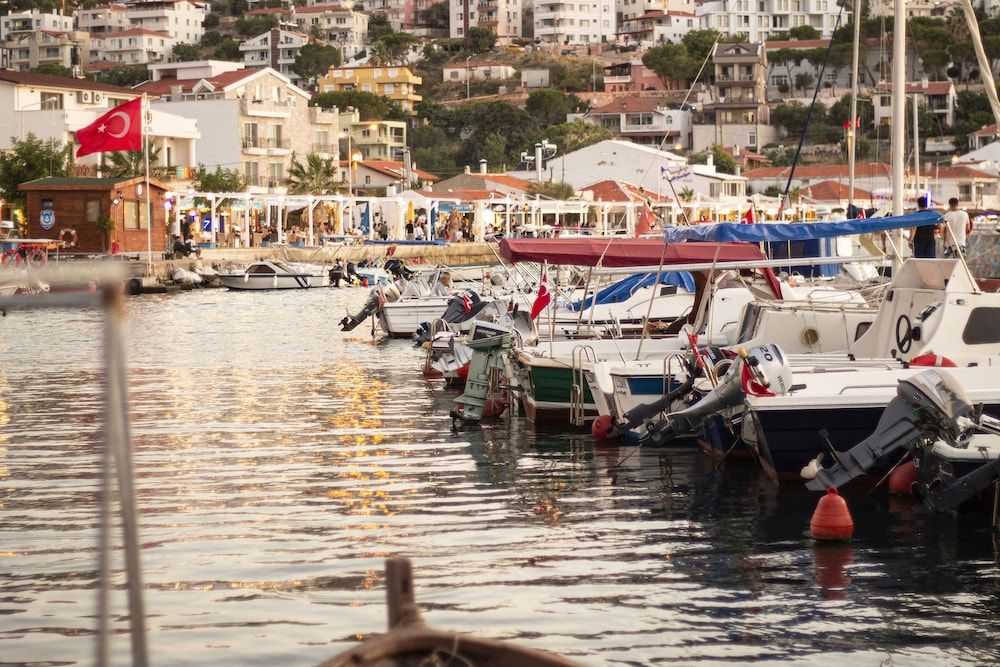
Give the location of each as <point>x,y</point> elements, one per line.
<point>149,202</point>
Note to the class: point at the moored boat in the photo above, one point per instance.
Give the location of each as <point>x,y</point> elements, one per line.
<point>271,275</point>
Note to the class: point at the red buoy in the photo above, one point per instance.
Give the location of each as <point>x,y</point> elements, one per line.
<point>364,282</point>
<point>832,520</point>
<point>494,407</point>
<point>463,372</point>
<point>902,479</point>
<point>935,360</point>
<point>599,429</point>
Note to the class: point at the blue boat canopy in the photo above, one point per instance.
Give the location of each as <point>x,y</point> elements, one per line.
<point>623,289</point>
<point>796,231</point>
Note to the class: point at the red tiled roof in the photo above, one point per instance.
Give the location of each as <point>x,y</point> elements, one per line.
<point>163,86</point>
<point>503,179</point>
<point>629,105</point>
<point>319,9</point>
<point>985,131</point>
<point>464,195</point>
<point>54,33</point>
<point>746,153</point>
<point>392,168</point>
<point>481,63</point>
<point>833,191</point>
<point>797,44</point>
<point>53,81</point>
<point>265,11</point>
<point>610,190</point>
<point>932,87</point>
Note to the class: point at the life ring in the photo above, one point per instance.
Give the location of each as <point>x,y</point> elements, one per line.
<point>935,360</point>
<point>904,334</point>
<point>38,257</point>
<point>68,231</point>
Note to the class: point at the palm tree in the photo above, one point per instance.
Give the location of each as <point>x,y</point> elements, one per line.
<point>380,56</point>
<point>686,194</point>
<point>129,164</point>
<point>315,176</point>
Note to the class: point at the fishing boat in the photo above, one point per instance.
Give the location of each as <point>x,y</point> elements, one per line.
<point>271,275</point>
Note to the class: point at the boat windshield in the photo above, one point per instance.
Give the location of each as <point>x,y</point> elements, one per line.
<point>258,269</point>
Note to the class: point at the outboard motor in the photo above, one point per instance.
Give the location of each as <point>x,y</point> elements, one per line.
<point>639,414</point>
<point>462,307</point>
<point>378,296</point>
<point>763,371</point>
<point>483,397</point>
<point>397,269</point>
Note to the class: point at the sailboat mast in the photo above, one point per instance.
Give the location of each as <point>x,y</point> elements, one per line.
<point>852,132</point>
<point>898,105</point>
<point>984,62</point>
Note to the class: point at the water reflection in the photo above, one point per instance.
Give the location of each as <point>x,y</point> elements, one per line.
<point>280,462</point>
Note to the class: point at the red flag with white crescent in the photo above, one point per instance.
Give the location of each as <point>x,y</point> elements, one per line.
<point>747,218</point>
<point>543,298</point>
<point>645,222</point>
<point>120,129</point>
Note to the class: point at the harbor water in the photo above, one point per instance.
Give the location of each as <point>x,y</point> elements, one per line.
<point>280,461</point>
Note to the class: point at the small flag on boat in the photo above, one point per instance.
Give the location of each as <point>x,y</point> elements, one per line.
<point>747,218</point>
<point>645,222</point>
<point>543,298</point>
<point>675,173</point>
<point>466,302</point>
<point>861,214</point>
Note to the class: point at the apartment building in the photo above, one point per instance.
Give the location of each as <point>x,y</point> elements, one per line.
<point>631,9</point>
<point>739,114</point>
<point>397,83</point>
<point>575,22</point>
<point>136,46</point>
<point>759,20</point>
<point>376,140</point>
<point>482,70</point>
<point>501,17</point>
<point>657,27</point>
<point>55,107</point>
<point>939,96</point>
<point>255,120</point>
<point>339,25</point>
<point>633,76</point>
<point>276,49</point>
<point>644,120</point>
<point>31,20</point>
<point>402,14</point>
<point>182,19</point>
<point>103,19</point>
<point>28,50</point>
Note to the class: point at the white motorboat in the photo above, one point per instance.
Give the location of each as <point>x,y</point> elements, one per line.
<point>269,275</point>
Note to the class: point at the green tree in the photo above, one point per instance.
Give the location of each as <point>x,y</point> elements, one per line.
<point>315,176</point>
<point>803,32</point>
<point>494,151</point>
<point>54,69</point>
<point>129,164</point>
<point>548,106</point>
<point>480,40</point>
<point>791,116</point>
<point>211,20</point>
<point>477,121</point>
<point>804,81</point>
<point>378,26</point>
<point>369,105</point>
<point>124,75</point>
<point>576,135</point>
<point>427,136</point>
<point>436,16</point>
<point>186,52</point>
<point>671,62</point>
<point>553,190</point>
<point>699,43</point>
<point>397,46</point>
<point>220,180</point>
<point>315,60</point>
<point>255,25</point>
<point>228,50</point>
<point>28,159</point>
<point>211,38</point>
<point>724,162</point>
<point>439,161</point>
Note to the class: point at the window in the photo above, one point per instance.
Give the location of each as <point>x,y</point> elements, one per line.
<point>250,134</point>
<point>92,210</point>
<point>252,172</point>
<point>52,101</point>
<point>983,327</point>
<point>131,214</point>
<point>276,172</point>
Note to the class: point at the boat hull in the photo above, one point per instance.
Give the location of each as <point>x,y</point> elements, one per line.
<point>401,319</point>
<point>293,281</point>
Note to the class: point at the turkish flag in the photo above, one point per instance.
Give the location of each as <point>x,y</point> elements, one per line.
<point>120,129</point>
<point>645,222</point>
<point>543,298</point>
<point>747,218</point>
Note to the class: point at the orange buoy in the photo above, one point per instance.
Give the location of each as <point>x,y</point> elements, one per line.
<point>599,429</point>
<point>364,282</point>
<point>902,479</point>
<point>832,520</point>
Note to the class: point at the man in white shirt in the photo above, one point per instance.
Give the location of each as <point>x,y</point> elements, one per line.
<point>956,227</point>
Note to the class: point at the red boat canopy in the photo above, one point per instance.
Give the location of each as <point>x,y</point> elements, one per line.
<point>623,252</point>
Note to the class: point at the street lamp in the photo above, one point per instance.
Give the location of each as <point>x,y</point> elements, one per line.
<point>468,78</point>
<point>952,161</point>
<point>353,159</point>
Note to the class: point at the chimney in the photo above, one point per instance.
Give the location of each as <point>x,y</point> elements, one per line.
<point>468,170</point>
<point>275,47</point>
<point>176,92</point>
<point>482,166</point>
<point>924,82</point>
<point>738,171</point>
<point>710,160</point>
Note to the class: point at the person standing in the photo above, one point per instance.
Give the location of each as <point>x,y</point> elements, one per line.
<point>922,238</point>
<point>957,227</point>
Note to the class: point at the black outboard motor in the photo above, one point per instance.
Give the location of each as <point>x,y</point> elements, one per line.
<point>398,269</point>
<point>461,308</point>
<point>639,414</point>
<point>379,295</point>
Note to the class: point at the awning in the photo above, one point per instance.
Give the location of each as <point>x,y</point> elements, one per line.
<point>622,252</point>
<point>796,231</point>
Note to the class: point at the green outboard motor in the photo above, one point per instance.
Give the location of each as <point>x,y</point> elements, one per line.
<point>490,342</point>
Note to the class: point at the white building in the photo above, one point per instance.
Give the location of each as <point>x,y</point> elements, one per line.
<point>182,19</point>
<point>630,9</point>
<point>54,107</point>
<point>276,48</point>
<point>760,19</point>
<point>136,46</point>
<point>940,96</point>
<point>27,50</point>
<point>657,27</point>
<point>482,70</point>
<point>563,23</point>
<point>31,20</point>
<point>501,17</point>
<point>402,14</point>
<point>643,120</point>
<point>340,25</point>
<point>103,19</point>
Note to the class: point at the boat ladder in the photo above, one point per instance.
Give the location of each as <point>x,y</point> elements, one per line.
<point>577,390</point>
<point>668,374</point>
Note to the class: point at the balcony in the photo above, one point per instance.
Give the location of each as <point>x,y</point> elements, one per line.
<point>266,142</point>
<point>487,23</point>
<point>726,80</point>
<point>325,149</point>
<point>487,7</point>
<point>627,79</point>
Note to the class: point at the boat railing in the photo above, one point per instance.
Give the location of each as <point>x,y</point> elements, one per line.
<point>668,370</point>
<point>577,390</point>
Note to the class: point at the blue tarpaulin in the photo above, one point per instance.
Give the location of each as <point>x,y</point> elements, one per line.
<point>403,242</point>
<point>623,289</point>
<point>796,231</point>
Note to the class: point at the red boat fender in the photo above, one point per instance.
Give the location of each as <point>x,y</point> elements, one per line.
<point>832,520</point>
<point>463,372</point>
<point>494,407</point>
<point>935,360</point>
<point>599,429</point>
<point>902,479</point>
